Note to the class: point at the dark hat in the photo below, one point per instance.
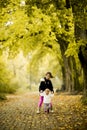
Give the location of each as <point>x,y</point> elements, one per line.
<point>51,76</point>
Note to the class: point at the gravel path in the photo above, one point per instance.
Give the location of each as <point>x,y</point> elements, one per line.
<point>19,113</point>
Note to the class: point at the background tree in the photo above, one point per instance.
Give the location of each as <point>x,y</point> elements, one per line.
<point>80,17</point>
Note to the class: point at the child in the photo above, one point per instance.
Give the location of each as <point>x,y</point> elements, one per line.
<point>47,94</point>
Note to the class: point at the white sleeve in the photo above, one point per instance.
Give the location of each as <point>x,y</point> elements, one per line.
<point>42,79</point>
<point>41,94</point>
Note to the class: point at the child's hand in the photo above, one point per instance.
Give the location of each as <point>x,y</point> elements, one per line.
<point>52,92</point>
<point>41,91</point>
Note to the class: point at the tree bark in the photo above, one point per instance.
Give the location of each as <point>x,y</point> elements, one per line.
<point>68,71</point>
<point>81,35</point>
<point>83,60</point>
<point>85,80</point>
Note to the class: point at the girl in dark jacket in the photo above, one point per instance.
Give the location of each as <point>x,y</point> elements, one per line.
<point>44,84</point>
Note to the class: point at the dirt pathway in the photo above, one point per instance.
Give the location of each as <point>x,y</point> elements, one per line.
<point>19,113</point>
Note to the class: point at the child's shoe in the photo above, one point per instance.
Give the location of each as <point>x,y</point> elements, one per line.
<point>51,111</point>
<point>38,111</point>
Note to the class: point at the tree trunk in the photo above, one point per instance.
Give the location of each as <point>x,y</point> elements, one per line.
<point>77,73</point>
<point>68,68</point>
<point>79,13</point>
<point>85,80</point>
<point>67,75</point>
<point>81,34</point>
<point>83,60</point>
<point>67,71</point>
<point>64,81</point>
<point>70,74</point>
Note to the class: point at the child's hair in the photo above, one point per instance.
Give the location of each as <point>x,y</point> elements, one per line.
<point>47,91</point>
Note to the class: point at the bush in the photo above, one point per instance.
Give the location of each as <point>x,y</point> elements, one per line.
<point>84,100</point>
<point>9,88</point>
<point>2,96</point>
